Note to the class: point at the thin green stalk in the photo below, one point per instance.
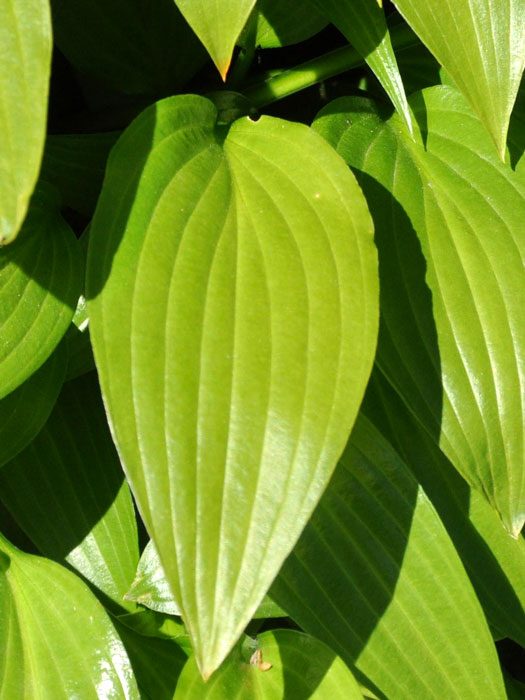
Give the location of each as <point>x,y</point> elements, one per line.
<point>287,82</point>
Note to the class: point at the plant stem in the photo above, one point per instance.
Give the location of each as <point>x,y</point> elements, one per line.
<point>287,82</point>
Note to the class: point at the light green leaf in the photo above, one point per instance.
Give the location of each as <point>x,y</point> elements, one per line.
<point>57,641</point>
<point>494,561</point>
<point>218,25</point>
<point>363,23</point>
<point>233,381</point>
<point>481,43</point>
<point>40,282</point>
<point>285,22</point>
<point>133,46</point>
<point>279,664</point>
<point>68,493</point>
<point>376,577</point>
<point>151,588</point>
<point>24,411</point>
<point>74,164</point>
<point>25,38</point>
<point>449,224</point>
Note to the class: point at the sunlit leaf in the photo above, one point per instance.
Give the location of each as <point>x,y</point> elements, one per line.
<point>25,61</point>
<point>57,641</point>
<point>233,381</point>
<point>376,577</point>
<point>279,664</point>
<point>218,26</point>
<point>285,22</point>
<point>67,492</point>
<point>40,282</point>
<point>363,24</point>
<point>24,411</point>
<point>481,43</point>
<point>449,224</point>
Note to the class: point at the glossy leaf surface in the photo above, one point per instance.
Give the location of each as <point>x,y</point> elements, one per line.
<point>449,224</point>
<point>67,492</point>
<point>134,46</point>
<point>218,25</point>
<point>57,641</point>
<point>494,561</point>
<point>481,43</point>
<point>24,411</point>
<point>363,23</point>
<point>40,282</point>
<point>25,41</point>
<point>376,577</point>
<point>151,588</point>
<point>281,663</point>
<point>233,381</point>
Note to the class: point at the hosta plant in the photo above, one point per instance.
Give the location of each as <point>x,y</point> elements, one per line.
<point>262,349</point>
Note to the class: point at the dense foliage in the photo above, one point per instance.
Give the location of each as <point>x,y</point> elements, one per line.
<point>262,349</point>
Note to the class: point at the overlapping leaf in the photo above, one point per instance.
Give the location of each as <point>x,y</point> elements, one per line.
<point>218,25</point>
<point>57,641</point>
<point>40,282</point>
<point>24,411</point>
<point>68,493</point>
<point>280,664</point>
<point>134,46</point>
<point>376,577</point>
<point>481,43</point>
<point>363,24</point>
<point>233,381</point>
<point>285,22</point>
<point>494,561</point>
<point>25,60</point>
<point>449,222</point>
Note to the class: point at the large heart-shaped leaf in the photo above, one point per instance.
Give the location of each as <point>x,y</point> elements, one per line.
<point>217,25</point>
<point>68,493</point>
<point>279,664</point>
<point>481,43</point>
<point>363,24</point>
<point>40,282</point>
<point>233,297</point>
<point>134,46</point>
<point>57,641</point>
<point>449,225</point>
<point>25,38</point>
<point>376,577</point>
<point>25,410</point>
<point>494,561</point>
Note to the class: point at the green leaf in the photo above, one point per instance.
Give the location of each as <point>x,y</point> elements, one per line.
<point>157,663</point>
<point>57,641</point>
<point>24,411</point>
<point>449,225</point>
<point>25,38</point>
<point>233,381</point>
<point>494,561</point>
<point>283,23</point>
<point>74,164</point>
<point>68,493</point>
<point>151,588</point>
<point>363,23</point>
<point>481,43</point>
<point>218,26</point>
<point>134,46</point>
<point>376,577</point>
<point>281,663</point>
<point>40,282</point>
